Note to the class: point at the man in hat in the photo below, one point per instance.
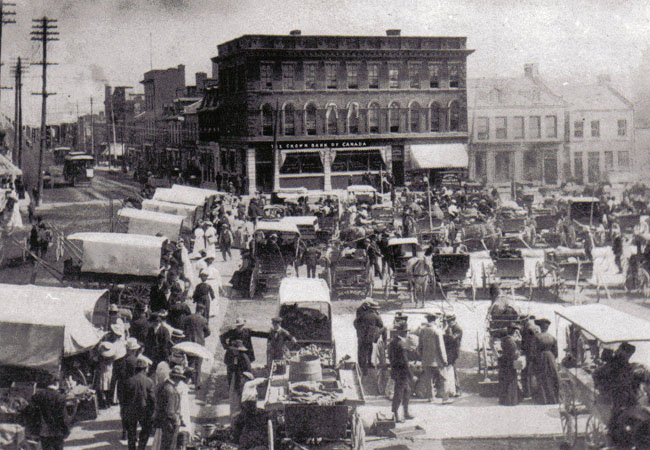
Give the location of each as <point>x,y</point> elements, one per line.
<point>47,408</point>
<point>178,310</point>
<point>431,348</point>
<point>159,294</point>
<point>116,313</point>
<point>140,324</point>
<point>137,405</point>
<point>225,241</point>
<point>241,333</point>
<point>158,343</point>
<point>204,294</point>
<point>369,327</point>
<point>545,368</point>
<point>196,329</point>
<point>278,338</point>
<point>123,369</point>
<point>400,371</point>
<point>237,362</point>
<point>167,415</point>
<point>453,337</point>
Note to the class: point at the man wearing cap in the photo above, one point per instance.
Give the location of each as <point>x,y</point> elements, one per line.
<point>369,327</point>
<point>137,405</point>
<point>278,338</point>
<point>243,334</point>
<point>545,368</point>
<point>158,344</point>
<point>400,371</point>
<point>431,348</point>
<point>453,337</point>
<point>167,415</point>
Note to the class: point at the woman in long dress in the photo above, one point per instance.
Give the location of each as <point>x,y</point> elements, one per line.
<point>548,383</point>
<point>509,391</point>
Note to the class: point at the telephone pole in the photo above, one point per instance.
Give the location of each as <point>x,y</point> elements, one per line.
<point>92,131</point>
<point>43,30</point>
<point>5,19</point>
<point>17,156</point>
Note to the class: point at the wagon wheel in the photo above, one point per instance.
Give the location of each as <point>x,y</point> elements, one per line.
<point>569,425</point>
<point>134,293</point>
<point>595,433</point>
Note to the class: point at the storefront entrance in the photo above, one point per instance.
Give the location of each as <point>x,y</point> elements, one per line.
<point>264,170</point>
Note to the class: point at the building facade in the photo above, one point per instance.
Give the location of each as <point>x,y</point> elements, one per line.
<point>517,130</point>
<point>320,111</point>
<point>600,125</point>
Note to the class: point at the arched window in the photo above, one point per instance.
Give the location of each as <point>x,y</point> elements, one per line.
<point>267,120</point>
<point>332,119</point>
<point>310,119</point>
<point>454,116</point>
<point>436,113</point>
<point>414,117</point>
<point>289,120</point>
<point>373,118</point>
<point>353,118</point>
<point>393,117</point>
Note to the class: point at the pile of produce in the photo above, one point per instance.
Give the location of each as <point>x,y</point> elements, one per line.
<point>313,392</point>
<point>326,354</point>
<point>305,324</point>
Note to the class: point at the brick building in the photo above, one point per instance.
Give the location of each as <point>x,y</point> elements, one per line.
<point>336,107</point>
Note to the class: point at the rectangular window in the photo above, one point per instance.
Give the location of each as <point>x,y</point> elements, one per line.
<point>393,76</point>
<point>551,126</point>
<point>358,161</point>
<point>266,76</point>
<point>518,127</point>
<point>330,76</point>
<point>454,76</point>
<point>622,127</point>
<point>288,76</point>
<point>578,171</point>
<point>501,127</point>
<point>534,123</point>
<point>353,76</point>
<point>609,160</point>
<point>578,128</point>
<point>483,128</point>
<point>310,76</point>
<point>373,76</point>
<point>302,163</point>
<point>623,160</point>
<point>414,75</point>
<point>595,128</point>
<point>434,75</point>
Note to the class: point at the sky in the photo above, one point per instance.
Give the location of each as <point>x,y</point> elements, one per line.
<point>115,41</point>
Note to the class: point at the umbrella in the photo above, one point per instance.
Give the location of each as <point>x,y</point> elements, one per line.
<point>193,349</point>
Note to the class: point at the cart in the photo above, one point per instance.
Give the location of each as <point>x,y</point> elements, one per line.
<point>349,273</point>
<point>361,193</point>
<point>453,272</point>
<point>584,210</point>
<point>582,406</point>
<point>307,226</point>
<point>126,264</point>
<point>400,251</point>
<point>563,266</point>
<point>139,221</point>
<point>272,261</point>
<point>508,267</point>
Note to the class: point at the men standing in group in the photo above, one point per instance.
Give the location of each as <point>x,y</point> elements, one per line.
<point>400,372</point>
<point>137,404</point>
<point>167,415</point>
<point>369,326</point>
<point>239,332</point>
<point>431,348</point>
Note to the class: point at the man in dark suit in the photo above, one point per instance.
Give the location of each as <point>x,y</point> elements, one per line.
<point>159,294</point>
<point>167,410</point>
<point>369,326</point>
<point>48,408</point>
<point>196,329</point>
<point>240,333</point>
<point>138,406</point>
<point>158,344</point>
<point>140,325</point>
<point>400,372</point>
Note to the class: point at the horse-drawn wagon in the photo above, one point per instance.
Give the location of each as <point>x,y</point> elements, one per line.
<point>361,193</point>
<point>190,213</point>
<point>563,266</point>
<point>349,272</point>
<point>403,252</point>
<point>307,226</point>
<point>140,221</point>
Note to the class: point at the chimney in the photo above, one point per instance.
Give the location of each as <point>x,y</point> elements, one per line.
<point>393,32</point>
<point>531,70</point>
<point>295,33</point>
<point>604,79</point>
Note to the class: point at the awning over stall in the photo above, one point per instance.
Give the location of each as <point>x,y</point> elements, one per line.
<point>439,156</point>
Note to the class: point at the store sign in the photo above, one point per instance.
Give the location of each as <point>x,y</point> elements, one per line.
<point>321,144</point>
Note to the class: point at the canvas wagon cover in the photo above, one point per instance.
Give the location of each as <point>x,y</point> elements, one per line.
<point>179,209</point>
<point>142,221</point>
<point>176,196</point>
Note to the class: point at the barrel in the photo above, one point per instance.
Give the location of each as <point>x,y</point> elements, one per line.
<point>305,368</point>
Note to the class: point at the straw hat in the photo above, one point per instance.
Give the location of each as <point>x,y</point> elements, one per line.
<point>177,372</point>
<point>107,350</point>
<point>141,362</point>
<point>132,344</point>
<point>118,327</point>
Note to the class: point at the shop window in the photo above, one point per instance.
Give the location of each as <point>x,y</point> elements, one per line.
<point>373,76</point>
<point>353,76</point>
<point>551,126</point>
<point>622,127</point>
<point>266,76</point>
<point>373,118</point>
<point>393,117</point>
<point>454,117</point>
<point>578,128</point>
<point>295,163</point>
<point>483,128</point>
<point>534,124</point>
<point>624,160</point>
<point>393,76</point>
<point>414,75</point>
<point>332,120</point>
<point>436,114</point>
<point>267,120</point>
<point>359,160</point>
<point>414,117</point>
<point>353,118</point>
<point>609,160</point>
<point>289,120</point>
<point>310,119</point>
<point>288,76</point>
<point>595,128</point>
<point>310,75</point>
<point>330,76</point>
<point>501,127</point>
<point>434,75</point>
<point>518,127</point>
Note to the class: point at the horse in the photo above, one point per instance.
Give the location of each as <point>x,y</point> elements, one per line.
<point>419,272</point>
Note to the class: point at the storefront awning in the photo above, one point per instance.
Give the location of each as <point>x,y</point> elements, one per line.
<point>439,156</point>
